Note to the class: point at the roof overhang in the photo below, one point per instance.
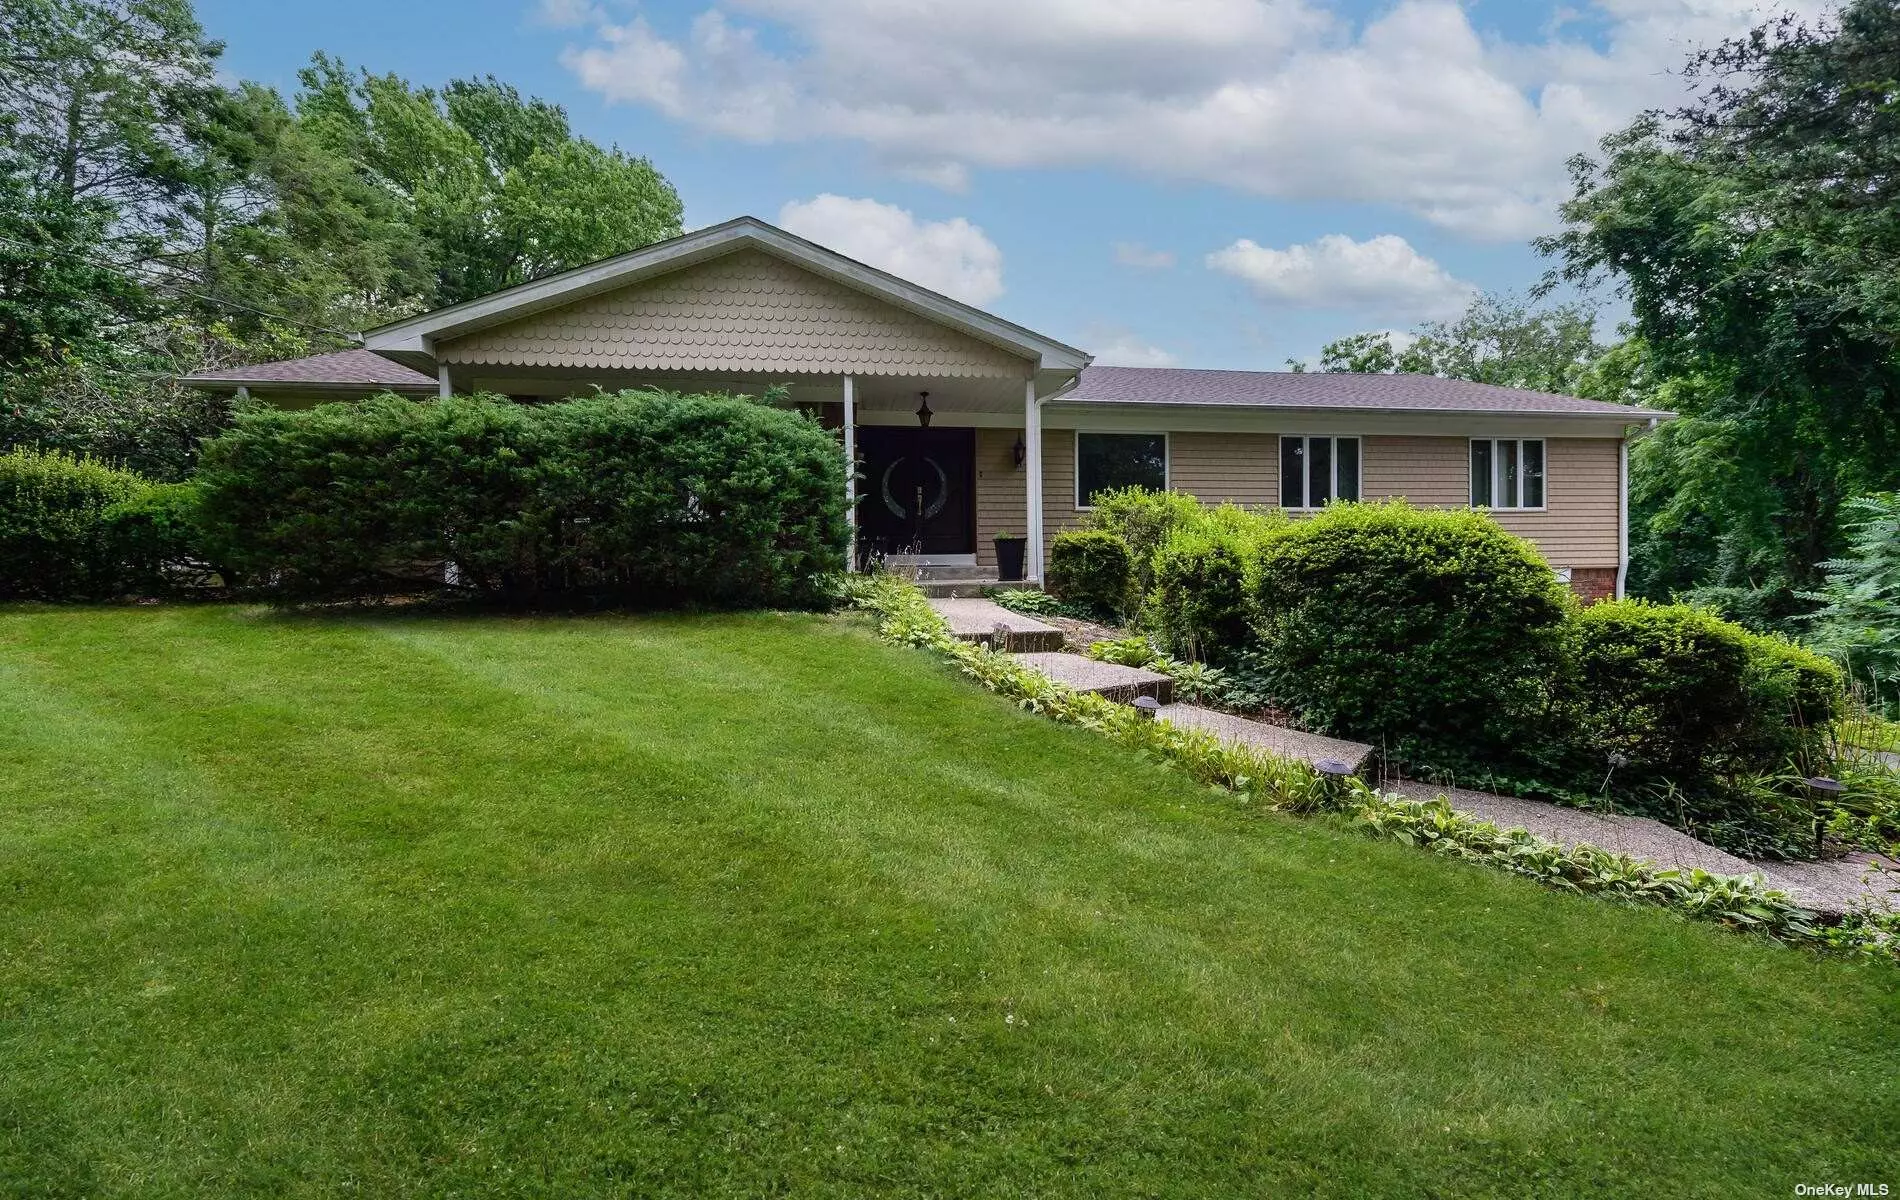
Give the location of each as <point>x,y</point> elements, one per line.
<point>1158,416</point>
<point>412,341</point>
<point>288,387</point>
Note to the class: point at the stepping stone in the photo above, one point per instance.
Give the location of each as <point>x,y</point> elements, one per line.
<point>976,621</point>
<point>1275,739</point>
<point>1087,675</point>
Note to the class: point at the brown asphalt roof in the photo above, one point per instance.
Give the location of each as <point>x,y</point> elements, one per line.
<point>342,368</point>
<point>1321,389</point>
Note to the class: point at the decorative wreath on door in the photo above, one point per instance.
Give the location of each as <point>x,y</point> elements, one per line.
<point>931,509</point>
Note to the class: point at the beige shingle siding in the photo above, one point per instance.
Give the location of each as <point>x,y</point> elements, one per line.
<point>747,311</point>
<point>1578,527</point>
<point>1241,467</point>
<point>1001,491</point>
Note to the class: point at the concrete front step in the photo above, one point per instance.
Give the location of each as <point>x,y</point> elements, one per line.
<point>977,621</point>
<point>1275,739</point>
<point>1087,675</point>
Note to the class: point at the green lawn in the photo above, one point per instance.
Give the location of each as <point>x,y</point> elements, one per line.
<point>755,905</point>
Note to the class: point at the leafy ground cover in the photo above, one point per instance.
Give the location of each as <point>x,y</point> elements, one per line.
<point>753,904</point>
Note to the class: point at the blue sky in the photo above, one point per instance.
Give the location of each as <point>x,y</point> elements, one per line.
<point>1217,183</point>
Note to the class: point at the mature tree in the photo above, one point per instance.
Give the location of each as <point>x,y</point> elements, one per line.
<point>500,188</point>
<point>95,95</point>
<point>1756,235</point>
<point>1502,339</point>
<point>57,302</point>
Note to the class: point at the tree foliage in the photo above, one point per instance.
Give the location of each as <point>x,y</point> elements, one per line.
<point>1756,238</point>
<point>1503,339</point>
<point>155,220</point>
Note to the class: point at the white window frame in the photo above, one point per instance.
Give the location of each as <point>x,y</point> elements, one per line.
<point>1306,467</point>
<point>1497,481</point>
<point>1167,458</point>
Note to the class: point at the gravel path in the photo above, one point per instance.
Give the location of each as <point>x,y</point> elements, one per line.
<point>1832,886</point>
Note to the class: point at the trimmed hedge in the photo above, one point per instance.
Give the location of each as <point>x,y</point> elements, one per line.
<point>1674,695</point>
<point>1199,605</point>
<point>158,540</point>
<point>1433,634</point>
<point>1142,520</point>
<point>647,499</point>
<point>55,540</point>
<point>1092,569</point>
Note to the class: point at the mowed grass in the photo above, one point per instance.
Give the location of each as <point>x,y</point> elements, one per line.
<point>753,905</point>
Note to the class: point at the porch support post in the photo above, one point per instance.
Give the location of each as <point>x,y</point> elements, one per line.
<point>442,387</point>
<point>1032,477</point>
<point>851,470</point>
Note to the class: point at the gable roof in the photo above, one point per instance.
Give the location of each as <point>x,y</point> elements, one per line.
<point>352,370</point>
<point>412,341</point>
<point>1330,390</point>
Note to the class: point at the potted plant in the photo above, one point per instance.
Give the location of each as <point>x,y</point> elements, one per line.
<point>1009,556</point>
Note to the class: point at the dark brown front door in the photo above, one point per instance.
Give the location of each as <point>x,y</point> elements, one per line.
<point>917,494</point>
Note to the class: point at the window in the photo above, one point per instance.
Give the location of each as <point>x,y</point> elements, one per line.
<point>1104,461</point>
<point>1314,470</point>
<point>1507,473</point>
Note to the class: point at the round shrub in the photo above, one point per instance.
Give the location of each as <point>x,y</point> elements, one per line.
<point>1659,688</point>
<point>1431,633</point>
<point>1142,519</point>
<point>1090,568</point>
<point>55,541</point>
<point>1199,607</point>
<point>1673,695</point>
<point>647,499</point>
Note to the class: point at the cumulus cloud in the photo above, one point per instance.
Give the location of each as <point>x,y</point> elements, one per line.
<point>567,14</point>
<point>953,257</point>
<point>1134,254</point>
<point>1412,108</point>
<point>1121,348</point>
<point>1383,275</point>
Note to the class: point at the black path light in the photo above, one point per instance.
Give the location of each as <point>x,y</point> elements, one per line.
<point>1333,775</point>
<point>1822,790</point>
<point>1147,706</point>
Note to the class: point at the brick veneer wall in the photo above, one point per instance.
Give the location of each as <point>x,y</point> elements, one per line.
<point>1593,583</point>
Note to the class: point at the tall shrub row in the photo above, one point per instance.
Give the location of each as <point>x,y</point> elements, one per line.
<point>1451,645</point>
<point>640,498</point>
<point>74,529</point>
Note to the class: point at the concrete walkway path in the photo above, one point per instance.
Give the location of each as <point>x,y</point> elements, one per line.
<point>1831,886</point>
<point>1275,739</point>
<point>1110,679</point>
<point>975,620</point>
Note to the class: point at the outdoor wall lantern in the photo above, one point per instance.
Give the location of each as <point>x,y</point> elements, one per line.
<point>1019,451</point>
<point>923,409</point>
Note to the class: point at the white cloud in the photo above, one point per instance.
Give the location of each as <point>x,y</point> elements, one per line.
<point>1134,254</point>
<point>950,176</point>
<point>1383,274</point>
<point>567,14</point>
<point>1412,108</point>
<point>953,257</point>
<point>1120,348</point>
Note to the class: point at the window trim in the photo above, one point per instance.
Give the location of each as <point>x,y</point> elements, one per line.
<point>1306,461</point>
<point>1075,472</point>
<point>1497,484</point>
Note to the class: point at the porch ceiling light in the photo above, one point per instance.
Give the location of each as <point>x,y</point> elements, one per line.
<point>923,409</point>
